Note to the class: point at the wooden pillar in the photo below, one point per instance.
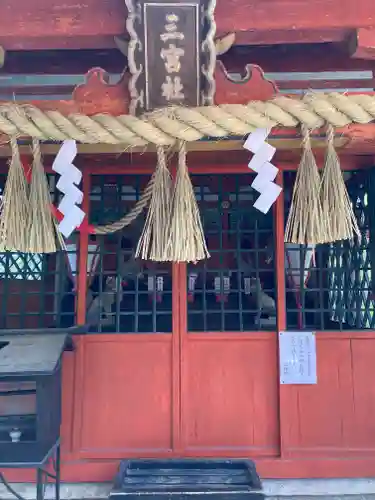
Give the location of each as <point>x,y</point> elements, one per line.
<point>83,255</point>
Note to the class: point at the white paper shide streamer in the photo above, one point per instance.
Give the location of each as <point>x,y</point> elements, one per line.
<point>70,178</point>
<point>266,171</point>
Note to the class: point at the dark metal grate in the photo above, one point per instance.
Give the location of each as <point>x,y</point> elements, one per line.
<point>234,290</point>
<point>124,294</point>
<point>329,287</point>
<point>36,291</point>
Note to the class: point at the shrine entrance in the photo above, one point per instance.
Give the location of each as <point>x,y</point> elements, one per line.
<point>184,353</point>
<point>182,360</point>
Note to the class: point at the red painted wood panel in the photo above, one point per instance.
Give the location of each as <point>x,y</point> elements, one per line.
<point>230,394</point>
<point>126,395</point>
<point>67,403</point>
<point>230,408</point>
<point>334,417</point>
<point>362,395</point>
<point>318,413</point>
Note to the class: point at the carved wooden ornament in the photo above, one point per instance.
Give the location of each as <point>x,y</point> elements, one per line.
<point>171,53</point>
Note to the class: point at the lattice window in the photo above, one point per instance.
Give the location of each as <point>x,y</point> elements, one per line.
<point>125,295</point>
<point>351,280</point>
<point>234,290</point>
<point>17,265</point>
<point>21,266</point>
<point>37,291</point>
<point>329,287</point>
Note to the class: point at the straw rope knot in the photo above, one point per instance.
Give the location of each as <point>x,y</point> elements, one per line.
<point>306,141</point>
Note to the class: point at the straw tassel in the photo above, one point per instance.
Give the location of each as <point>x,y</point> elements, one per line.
<point>337,207</point>
<point>153,240</point>
<point>186,241</point>
<point>306,221</point>
<point>42,229</point>
<point>13,218</point>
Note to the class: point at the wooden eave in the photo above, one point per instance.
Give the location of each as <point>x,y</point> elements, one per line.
<point>68,24</point>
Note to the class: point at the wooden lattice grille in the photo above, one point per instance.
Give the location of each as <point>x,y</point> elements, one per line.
<point>235,288</point>
<point>36,291</point>
<point>337,292</point>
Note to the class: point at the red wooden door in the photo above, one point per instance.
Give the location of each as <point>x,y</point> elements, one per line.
<point>128,398</point>
<point>208,385</point>
<point>229,379</point>
<point>127,368</point>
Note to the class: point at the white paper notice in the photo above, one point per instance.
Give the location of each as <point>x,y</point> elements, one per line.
<point>297,353</point>
<point>267,197</point>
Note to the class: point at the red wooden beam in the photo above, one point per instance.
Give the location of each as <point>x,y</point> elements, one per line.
<point>96,22</point>
<point>249,37</point>
<point>363,44</point>
<point>242,15</point>
<point>280,37</point>
<point>61,42</point>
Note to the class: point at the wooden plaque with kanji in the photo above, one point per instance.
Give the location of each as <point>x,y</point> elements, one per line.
<point>171,53</point>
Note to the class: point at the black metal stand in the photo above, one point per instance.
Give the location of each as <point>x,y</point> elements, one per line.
<point>42,476</point>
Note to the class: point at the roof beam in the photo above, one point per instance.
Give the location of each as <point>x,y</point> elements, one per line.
<point>243,15</point>
<point>94,23</point>
<point>280,37</point>
<point>250,37</point>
